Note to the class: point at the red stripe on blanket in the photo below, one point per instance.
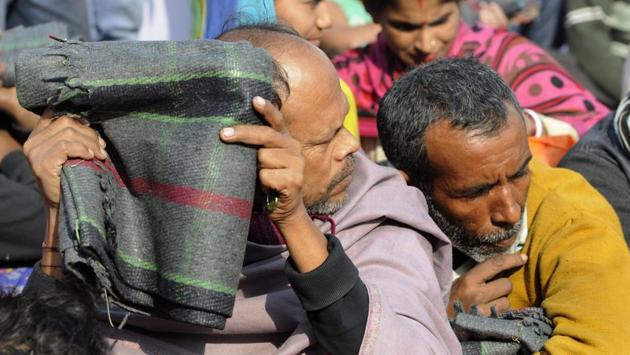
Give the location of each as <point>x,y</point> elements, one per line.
<point>193,197</point>
<point>182,195</point>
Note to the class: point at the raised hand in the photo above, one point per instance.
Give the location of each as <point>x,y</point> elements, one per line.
<point>52,143</point>
<point>280,160</point>
<point>480,285</point>
<point>281,169</point>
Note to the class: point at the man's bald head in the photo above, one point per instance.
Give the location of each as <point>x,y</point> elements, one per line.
<point>302,66</point>
<point>314,110</point>
<point>270,38</point>
<point>267,36</point>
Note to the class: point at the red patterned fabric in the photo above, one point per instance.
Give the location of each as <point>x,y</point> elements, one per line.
<point>539,82</point>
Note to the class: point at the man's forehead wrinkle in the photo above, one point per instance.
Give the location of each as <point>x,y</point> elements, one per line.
<point>464,160</point>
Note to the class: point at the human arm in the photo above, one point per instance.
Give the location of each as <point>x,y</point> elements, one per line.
<point>491,14</point>
<point>10,105</point>
<point>49,146</point>
<point>585,297</point>
<point>578,271</point>
<point>482,285</point>
<point>341,36</point>
<point>21,209</point>
<point>590,41</point>
<point>281,169</point>
<point>321,274</point>
<point>336,40</point>
<point>335,300</point>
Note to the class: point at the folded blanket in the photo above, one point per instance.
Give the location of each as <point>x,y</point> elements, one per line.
<point>19,38</point>
<point>160,228</point>
<point>520,331</point>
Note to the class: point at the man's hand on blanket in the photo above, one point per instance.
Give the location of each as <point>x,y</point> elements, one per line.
<point>52,143</point>
<point>481,285</point>
<point>280,160</point>
<point>281,169</point>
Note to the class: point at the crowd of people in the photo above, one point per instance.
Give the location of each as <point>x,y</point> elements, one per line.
<point>432,176</point>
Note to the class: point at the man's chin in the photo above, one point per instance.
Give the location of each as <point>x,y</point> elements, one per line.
<point>481,253</point>
<point>328,206</point>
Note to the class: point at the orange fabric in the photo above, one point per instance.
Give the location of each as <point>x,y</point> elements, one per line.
<point>550,149</point>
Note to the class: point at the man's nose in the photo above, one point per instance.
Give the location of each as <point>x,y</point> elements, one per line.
<point>348,145</point>
<point>506,209</point>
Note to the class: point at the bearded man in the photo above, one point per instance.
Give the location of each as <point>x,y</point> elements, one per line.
<point>524,234</point>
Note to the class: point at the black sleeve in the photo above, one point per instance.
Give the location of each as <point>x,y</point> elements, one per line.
<point>335,299</point>
<point>22,218</point>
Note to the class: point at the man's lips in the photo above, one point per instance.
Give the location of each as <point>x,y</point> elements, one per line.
<point>506,243</point>
<point>342,185</point>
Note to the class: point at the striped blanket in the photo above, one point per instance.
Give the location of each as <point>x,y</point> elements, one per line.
<point>161,226</point>
<point>517,331</point>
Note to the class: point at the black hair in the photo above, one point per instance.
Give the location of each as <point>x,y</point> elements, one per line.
<point>376,7</point>
<point>468,94</point>
<point>58,321</point>
<point>266,36</point>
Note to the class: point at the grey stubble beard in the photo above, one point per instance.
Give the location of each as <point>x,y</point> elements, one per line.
<point>324,206</point>
<point>479,248</point>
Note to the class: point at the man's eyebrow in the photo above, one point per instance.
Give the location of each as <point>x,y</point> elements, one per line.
<point>523,166</point>
<point>488,186</point>
<point>475,189</point>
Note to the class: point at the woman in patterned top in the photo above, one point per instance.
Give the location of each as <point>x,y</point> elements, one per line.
<point>419,31</point>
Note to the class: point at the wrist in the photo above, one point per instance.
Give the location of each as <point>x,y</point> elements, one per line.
<point>295,221</point>
<point>52,260</point>
<point>307,246</point>
<point>25,118</point>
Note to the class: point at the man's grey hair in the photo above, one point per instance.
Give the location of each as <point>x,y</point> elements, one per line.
<point>469,95</point>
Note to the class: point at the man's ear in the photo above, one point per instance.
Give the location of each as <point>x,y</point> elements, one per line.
<point>404,175</point>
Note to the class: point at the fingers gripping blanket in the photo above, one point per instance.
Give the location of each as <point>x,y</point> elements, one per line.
<point>161,226</point>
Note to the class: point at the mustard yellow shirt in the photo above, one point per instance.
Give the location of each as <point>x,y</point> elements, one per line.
<point>579,265</point>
